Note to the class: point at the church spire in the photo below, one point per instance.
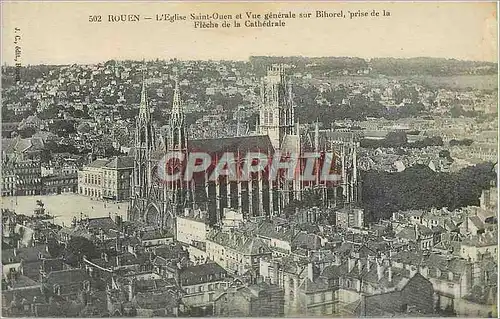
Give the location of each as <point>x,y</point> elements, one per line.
<point>143,106</point>
<point>178,138</point>
<point>176,105</point>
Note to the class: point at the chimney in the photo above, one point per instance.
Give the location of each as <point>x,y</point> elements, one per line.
<point>310,271</point>
<point>360,266</point>
<point>106,257</point>
<point>450,276</point>
<point>413,271</point>
<point>368,264</point>
<point>275,278</point>
<point>416,232</point>
<point>350,263</point>
<point>15,251</point>
<point>118,261</point>
<point>131,291</point>
<point>390,273</point>
<point>424,271</point>
<point>380,270</point>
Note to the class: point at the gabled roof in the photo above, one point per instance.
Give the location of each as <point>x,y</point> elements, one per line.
<point>120,162</point>
<point>69,276</point>
<point>27,254</point>
<point>269,230</point>
<point>202,273</point>
<point>156,300</point>
<point>17,295</point>
<point>106,223</point>
<point>15,145</point>
<point>246,245</point>
<point>477,222</point>
<point>243,144</point>
<point>98,163</point>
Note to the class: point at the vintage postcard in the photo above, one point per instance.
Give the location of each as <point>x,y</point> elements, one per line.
<point>249,159</point>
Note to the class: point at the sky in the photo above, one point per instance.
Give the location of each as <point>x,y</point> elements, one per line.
<point>60,33</point>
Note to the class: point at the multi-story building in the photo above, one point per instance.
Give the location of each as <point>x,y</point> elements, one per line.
<point>192,227</point>
<point>9,181</point>
<point>200,284</point>
<point>349,217</point>
<point>21,178</point>
<point>106,178</point>
<point>258,300</point>
<point>236,252</point>
<point>57,184</point>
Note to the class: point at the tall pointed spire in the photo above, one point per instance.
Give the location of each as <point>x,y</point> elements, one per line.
<point>176,105</point>
<point>143,106</point>
<point>178,138</point>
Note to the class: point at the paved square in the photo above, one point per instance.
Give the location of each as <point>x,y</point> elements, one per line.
<point>66,206</point>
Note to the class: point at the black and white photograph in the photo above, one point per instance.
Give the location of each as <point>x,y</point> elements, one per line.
<point>249,159</point>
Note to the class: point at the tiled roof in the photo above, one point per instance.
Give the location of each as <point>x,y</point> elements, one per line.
<point>313,286</point>
<point>170,252</point>
<point>241,144</point>
<point>32,269</point>
<point>15,145</point>
<point>201,273</point>
<point>125,259</point>
<point>154,234</point>
<point>64,277</point>
<point>23,282</point>
<point>308,241</point>
<point>27,254</point>
<point>17,295</point>
<point>269,230</point>
<point>477,222</point>
<point>98,163</point>
<point>409,232</point>
<point>106,223</point>
<point>242,243</point>
<point>49,265</point>
<point>156,300</point>
<point>233,144</point>
<point>119,162</point>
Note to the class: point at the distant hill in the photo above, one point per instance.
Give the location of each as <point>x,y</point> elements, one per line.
<point>431,66</point>
<point>380,66</point>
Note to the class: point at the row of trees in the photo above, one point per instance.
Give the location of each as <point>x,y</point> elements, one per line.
<point>419,187</point>
<point>400,139</point>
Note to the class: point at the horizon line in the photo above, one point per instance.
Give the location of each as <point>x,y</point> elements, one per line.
<point>6,64</point>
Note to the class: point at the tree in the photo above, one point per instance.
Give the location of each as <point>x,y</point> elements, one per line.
<point>54,248</point>
<point>78,247</point>
<point>83,128</point>
<point>27,132</point>
<point>418,187</point>
<point>396,139</point>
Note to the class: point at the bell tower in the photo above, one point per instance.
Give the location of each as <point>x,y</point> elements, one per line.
<point>276,114</point>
